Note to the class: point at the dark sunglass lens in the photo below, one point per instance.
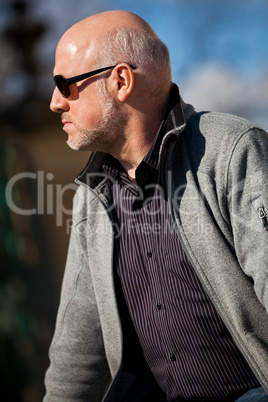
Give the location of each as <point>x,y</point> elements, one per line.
<point>62,85</point>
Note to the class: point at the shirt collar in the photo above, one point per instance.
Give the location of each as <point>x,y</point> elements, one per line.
<point>114,167</point>
<point>178,114</point>
<point>152,157</point>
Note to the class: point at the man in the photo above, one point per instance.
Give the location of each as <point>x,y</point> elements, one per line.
<point>165,292</point>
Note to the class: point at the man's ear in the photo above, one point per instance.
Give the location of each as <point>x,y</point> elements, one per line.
<point>124,79</point>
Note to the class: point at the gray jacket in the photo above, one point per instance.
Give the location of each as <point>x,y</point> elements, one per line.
<point>214,168</point>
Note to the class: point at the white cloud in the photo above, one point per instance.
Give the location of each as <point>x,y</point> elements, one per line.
<point>217,87</point>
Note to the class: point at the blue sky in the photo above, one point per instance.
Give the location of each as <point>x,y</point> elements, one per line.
<point>233,32</point>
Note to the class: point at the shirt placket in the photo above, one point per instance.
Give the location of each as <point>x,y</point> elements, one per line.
<point>159,295</point>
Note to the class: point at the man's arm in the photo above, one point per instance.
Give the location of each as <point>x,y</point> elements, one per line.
<point>248,202</point>
<point>78,370</point>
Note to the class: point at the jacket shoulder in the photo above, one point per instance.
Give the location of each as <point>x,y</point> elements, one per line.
<point>210,139</point>
<point>221,125</point>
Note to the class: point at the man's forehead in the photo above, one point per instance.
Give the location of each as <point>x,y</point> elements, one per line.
<point>73,54</point>
<point>71,48</point>
<point>71,42</point>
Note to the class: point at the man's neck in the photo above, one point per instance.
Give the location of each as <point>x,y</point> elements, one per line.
<point>137,145</point>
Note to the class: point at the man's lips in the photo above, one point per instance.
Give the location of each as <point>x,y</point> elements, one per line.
<point>65,123</point>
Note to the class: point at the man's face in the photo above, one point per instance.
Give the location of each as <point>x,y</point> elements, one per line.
<point>92,119</point>
<point>107,133</point>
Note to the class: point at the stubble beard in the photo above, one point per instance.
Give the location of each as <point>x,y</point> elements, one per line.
<point>107,134</point>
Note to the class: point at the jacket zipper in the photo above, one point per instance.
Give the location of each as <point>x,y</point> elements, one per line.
<point>110,386</point>
<point>263,216</point>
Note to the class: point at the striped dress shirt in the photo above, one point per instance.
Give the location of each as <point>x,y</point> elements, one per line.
<point>185,343</point>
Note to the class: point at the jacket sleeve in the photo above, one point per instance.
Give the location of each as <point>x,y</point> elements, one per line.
<point>248,204</point>
<point>78,368</point>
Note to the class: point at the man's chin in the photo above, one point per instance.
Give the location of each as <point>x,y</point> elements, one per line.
<point>81,147</point>
<point>75,147</point>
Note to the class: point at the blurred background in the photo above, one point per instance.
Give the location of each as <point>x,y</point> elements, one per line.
<point>219,57</point>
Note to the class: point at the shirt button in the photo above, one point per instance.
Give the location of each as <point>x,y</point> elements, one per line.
<point>158,306</point>
<point>149,254</point>
<point>172,357</point>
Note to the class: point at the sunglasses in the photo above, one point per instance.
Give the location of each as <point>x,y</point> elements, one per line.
<point>63,84</point>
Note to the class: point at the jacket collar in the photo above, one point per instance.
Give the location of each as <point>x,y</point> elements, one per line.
<point>178,115</point>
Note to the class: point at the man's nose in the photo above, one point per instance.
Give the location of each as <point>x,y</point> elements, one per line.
<point>58,103</point>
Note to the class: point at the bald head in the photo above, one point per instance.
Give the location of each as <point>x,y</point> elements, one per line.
<point>114,37</point>
<point>88,34</point>
<point>98,24</point>
<point>119,109</point>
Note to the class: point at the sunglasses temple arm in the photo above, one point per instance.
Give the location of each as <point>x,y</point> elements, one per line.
<point>81,77</point>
